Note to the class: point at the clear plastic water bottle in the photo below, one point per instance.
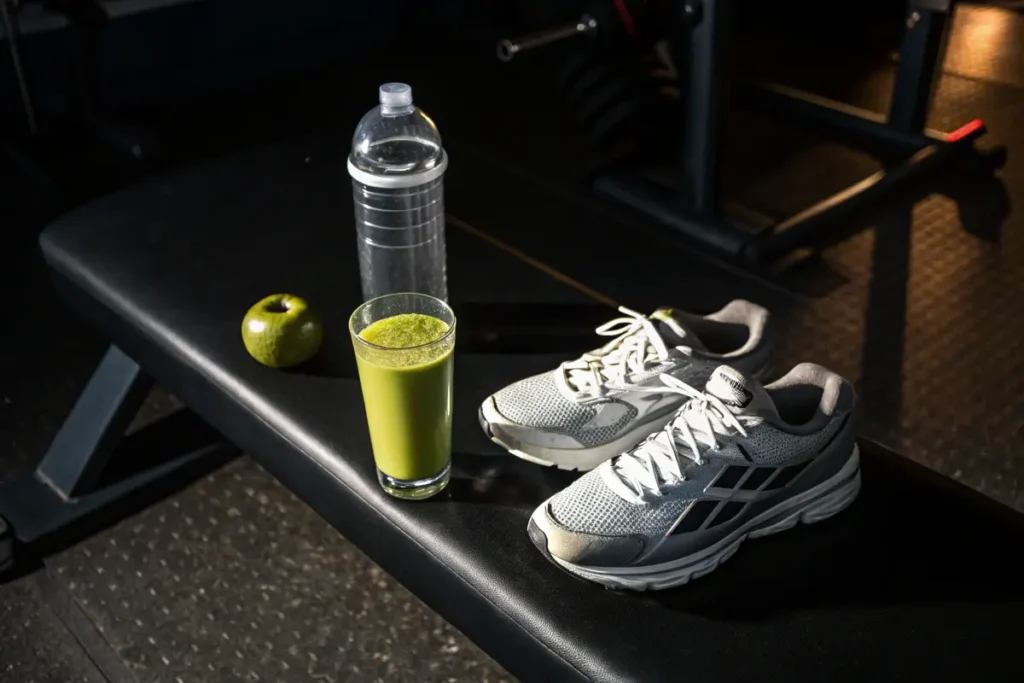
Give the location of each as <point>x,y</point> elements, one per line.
<point>397,166</point>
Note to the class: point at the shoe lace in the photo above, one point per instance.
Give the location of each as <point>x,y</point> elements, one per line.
<point>661,458</point>
<point>637,345</point>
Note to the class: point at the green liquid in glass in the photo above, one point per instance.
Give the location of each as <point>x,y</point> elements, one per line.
<point>407,392</point>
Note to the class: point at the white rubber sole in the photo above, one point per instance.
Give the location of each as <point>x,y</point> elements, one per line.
<point>814,505</point>
<point>572,460</point>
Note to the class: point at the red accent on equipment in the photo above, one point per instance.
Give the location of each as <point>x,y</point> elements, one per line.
<point>627,18</point>
<point>965,130</point>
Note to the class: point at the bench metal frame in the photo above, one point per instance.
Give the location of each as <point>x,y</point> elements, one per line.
<point>71,493</point>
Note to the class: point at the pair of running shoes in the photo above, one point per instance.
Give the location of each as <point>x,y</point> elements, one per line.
<point>687,454</point>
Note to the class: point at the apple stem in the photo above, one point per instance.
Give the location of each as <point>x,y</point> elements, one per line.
<point>276,307</point>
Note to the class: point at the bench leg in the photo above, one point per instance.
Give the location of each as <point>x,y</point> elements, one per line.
<point>92,474</point>
<point>80,451</point>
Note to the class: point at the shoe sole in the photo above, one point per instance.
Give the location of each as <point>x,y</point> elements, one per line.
<point>580,460</point>
<point>814,505</point>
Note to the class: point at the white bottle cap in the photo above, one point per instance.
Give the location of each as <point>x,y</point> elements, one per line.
<point>395,96</point>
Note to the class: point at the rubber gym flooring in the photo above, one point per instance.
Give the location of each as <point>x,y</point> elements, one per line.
<point>233,579</point>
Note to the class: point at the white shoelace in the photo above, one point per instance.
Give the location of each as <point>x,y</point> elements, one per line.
<point>694,431</point>
<point>637,347</point>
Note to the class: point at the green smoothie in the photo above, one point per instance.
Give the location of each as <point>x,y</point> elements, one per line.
<point>407,390</point>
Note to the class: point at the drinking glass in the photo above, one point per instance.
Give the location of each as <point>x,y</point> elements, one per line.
<point>407,392</point>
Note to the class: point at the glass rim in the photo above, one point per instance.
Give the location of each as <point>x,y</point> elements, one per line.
<point>355,335</point>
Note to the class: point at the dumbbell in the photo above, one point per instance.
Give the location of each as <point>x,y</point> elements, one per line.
<point>637,21</point>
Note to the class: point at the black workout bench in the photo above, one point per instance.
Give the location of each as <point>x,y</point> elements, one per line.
<point>908,584</point>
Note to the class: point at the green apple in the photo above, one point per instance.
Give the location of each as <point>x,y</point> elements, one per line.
<point>281,331</point>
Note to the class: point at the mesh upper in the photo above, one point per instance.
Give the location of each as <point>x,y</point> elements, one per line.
<point>537,403</point>
<point>589,506</point>
<point>596,436</point>
<point>768,445</point>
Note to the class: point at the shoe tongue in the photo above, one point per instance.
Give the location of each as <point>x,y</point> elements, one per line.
<point>674,331</point>
<point>739,393</point>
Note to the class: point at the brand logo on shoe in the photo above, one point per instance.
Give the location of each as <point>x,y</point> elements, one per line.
<point>608,415</point>
<point>647,404</point>
<point>742,396</point>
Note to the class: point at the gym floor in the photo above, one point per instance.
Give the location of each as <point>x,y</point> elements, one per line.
<point>919,304</point>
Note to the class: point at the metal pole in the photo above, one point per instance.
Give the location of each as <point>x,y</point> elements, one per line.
<point>921,57</point>
<point>703,59</point>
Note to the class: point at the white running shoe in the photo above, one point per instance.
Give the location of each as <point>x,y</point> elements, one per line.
<point>738,461</point>
<point>608,400</point>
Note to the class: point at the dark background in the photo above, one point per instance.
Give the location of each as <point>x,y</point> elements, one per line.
<point>918,305</point>
<point>195,79</point>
